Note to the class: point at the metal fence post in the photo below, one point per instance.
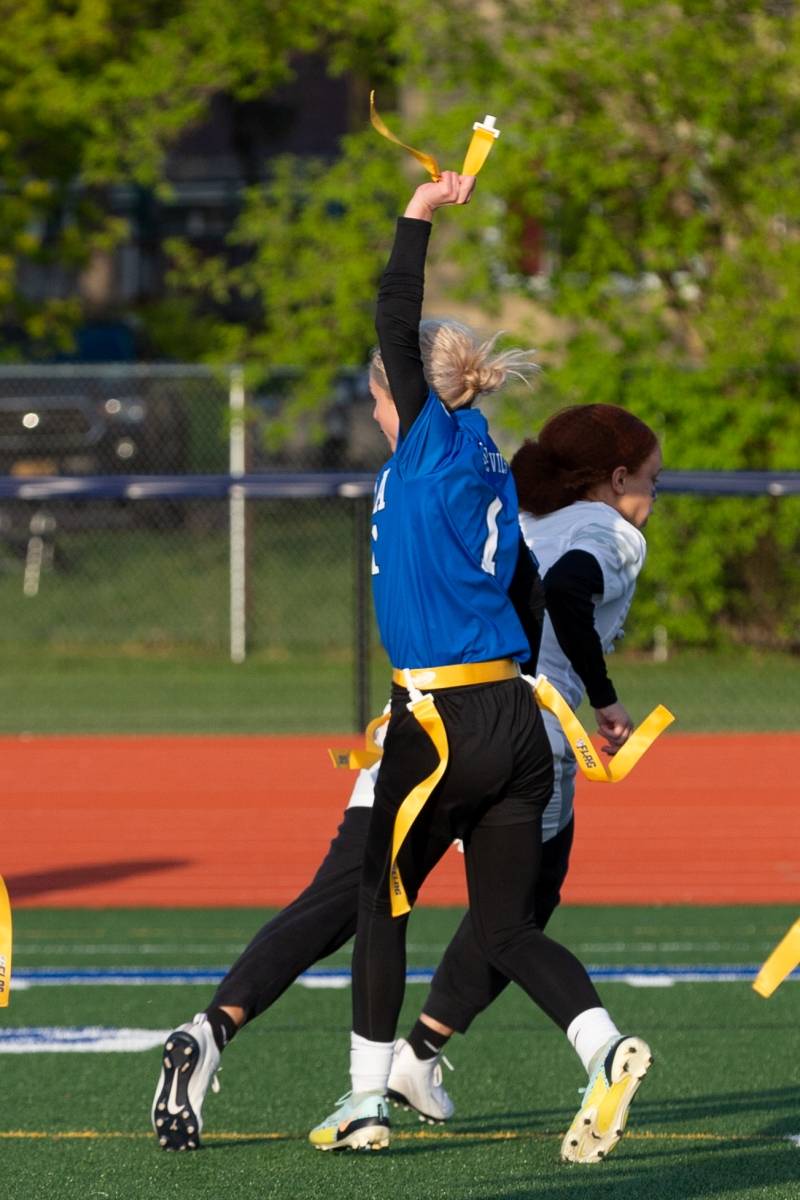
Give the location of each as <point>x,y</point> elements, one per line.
<point>237,525</point>
<point>362,510</point>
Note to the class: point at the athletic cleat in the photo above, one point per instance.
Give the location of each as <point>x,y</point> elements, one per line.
<point>359,1123</point>
<point>600,1121</point>
<point>416,1084</point>
<point>189,1064</point>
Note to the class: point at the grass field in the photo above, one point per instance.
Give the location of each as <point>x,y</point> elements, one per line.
<point>718,1117</point>
<point>86,690</point>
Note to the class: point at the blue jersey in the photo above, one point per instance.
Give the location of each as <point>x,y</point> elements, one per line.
<point>445,540</point>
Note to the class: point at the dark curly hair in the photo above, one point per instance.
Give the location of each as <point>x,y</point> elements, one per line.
<point>576,449</point>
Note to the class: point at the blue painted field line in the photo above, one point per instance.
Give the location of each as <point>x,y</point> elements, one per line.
<point>333,976</point>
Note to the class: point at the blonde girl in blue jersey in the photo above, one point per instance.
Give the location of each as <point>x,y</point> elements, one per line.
<point>466,754</point>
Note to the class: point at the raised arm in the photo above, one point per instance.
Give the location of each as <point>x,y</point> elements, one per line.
<point>400,294</point>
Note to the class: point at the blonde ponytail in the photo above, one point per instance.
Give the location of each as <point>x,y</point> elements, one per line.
<point>458,366</point>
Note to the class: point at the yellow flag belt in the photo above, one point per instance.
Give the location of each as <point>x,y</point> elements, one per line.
<point>5,946</point>
<point>484,136</point>
<point>547,697</point>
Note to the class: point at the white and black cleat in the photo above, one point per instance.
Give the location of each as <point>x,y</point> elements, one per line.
<point>416,1085</point>
<point>188,1068</point>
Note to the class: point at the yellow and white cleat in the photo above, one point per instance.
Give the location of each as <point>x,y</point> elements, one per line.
<point>600,1121</point>
<point>359,1123</point>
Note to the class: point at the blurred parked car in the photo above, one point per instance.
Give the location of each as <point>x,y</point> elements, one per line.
<point>339,435</point>
<point>90,425</point>
<point>92,414</point>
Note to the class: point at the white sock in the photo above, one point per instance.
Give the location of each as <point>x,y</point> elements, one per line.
<point>370,1064</point>
<point>590,1032</point>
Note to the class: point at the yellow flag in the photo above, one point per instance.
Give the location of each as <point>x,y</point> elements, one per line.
<point>357,760</point>
<point>428,161</point>
<point>5,946</point>
<point>426,714</point>
<point>781,962</point>
<point>484,136</point>
<point>588,760</point>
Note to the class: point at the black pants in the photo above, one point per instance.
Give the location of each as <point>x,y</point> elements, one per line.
<point>323,918</point>
<point>493,793</point>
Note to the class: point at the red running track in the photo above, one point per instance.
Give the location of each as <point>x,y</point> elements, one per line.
<point>224,821</point>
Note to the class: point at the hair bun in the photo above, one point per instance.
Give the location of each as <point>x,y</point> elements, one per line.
<point>576,449</point>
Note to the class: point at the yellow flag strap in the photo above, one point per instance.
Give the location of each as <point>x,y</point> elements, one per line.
<point>5,946</point>
<point>457,675</point>
<point>356,760</point>
<point>484,136</point>
<point>428,161</point>
<point>780,964</point>
<point>549,698</point>
<point>424,711</point>
<point>589,761</point>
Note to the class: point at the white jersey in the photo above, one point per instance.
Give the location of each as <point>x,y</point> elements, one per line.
<point>620,550</point>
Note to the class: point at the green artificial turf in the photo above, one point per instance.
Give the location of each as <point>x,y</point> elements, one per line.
<point>714,1118</point>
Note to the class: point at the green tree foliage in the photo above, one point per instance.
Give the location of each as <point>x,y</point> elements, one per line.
<point>93,93</point>
<point>659,142</point>
<point>655,141</point>
<point>658,145</point>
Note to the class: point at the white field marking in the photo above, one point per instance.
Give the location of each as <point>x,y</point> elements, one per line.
<point>32,949</point>
<point>63,949</point>
<point>630,947</point>
<point>633,976</point>
<point>79,1039</point>
<point>649,981</point>
<point>324,981</point>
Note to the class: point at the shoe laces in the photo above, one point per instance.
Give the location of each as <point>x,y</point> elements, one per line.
<point>202,1019</point>
<point>441,1057</point>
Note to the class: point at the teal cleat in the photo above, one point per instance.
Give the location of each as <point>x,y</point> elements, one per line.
<point>359,1123</point>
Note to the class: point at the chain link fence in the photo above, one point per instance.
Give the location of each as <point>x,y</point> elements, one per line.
<point>231,548</point>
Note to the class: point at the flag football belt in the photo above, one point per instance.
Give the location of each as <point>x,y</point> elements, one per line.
<point>424,710</point>
<point>459,675</point>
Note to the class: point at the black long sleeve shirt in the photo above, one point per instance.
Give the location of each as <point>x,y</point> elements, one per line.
<point>570,585</point>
